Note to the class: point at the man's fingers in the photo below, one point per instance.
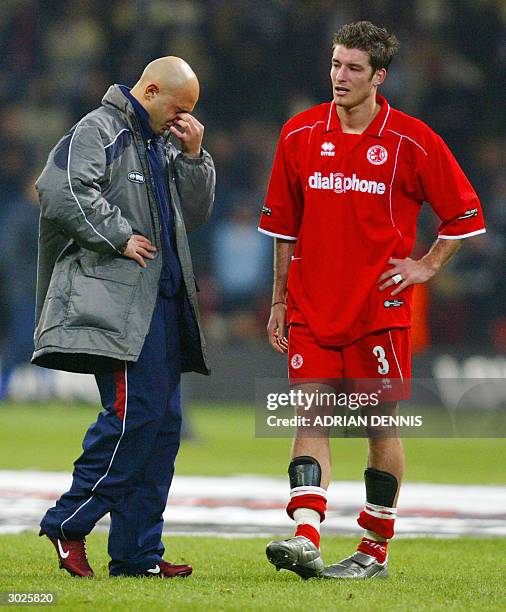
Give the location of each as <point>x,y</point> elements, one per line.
<point>190,119</point>
<point>146,245</point>
<point>275,336</point>
<point>273,341</point>
<point>283,343</point>
<point>191,136</point>
<point>136,257</point>
<point>182,123</point>
<point>280,349</point>
<point>182,130</point>
<point>145,253</point>
<point>276,347</point>
<point>141,240</point>
<point>181,135</point>
<point>281,340</point>
<point>401,287</point>
<point>276,329</point>
<point>387,284</point>
<point>191,128</point>
<point>139,247</point>
<point>387,274</point>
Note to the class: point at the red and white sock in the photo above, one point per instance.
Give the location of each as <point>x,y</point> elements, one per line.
<point>374,545</point>
<point>307,508</point>
<point>378,521</point>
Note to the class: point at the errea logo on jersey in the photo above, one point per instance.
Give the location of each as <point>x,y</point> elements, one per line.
<point>328,149</point>
<point>337,182</point>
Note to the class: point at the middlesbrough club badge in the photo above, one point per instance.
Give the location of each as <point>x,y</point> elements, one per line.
<point>297,361</point>
<point>377,155</point>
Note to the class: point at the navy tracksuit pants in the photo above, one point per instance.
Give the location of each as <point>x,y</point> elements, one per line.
<point>127,463</point>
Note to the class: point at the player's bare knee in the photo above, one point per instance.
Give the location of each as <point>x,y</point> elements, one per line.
<point>311,407</point>
<point>380,429</point>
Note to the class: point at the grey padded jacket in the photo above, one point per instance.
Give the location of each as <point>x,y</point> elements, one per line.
<point>94,306</point>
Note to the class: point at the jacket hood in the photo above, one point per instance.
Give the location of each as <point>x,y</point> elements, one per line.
<point>115,97</point>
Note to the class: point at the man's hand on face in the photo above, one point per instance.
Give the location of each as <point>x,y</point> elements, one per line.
<point>139,247</point>
<point>189,132</point>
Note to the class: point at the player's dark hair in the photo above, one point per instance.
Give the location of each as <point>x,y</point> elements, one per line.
<point>378,43</point>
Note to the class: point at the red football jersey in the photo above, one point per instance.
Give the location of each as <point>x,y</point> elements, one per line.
<point>351,202</point>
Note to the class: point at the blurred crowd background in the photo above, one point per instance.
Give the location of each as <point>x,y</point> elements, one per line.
<point>259,62</point>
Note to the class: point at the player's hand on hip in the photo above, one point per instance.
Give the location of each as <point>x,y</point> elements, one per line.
<point>189,132</point>
<point>405,272</point>
<point>138,248</point>
<point>276,328</point>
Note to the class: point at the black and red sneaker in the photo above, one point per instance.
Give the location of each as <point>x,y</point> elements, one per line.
<point>72,556</point>
<point>168,570</point>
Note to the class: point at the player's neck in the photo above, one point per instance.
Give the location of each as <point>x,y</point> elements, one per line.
<point>356,120</point>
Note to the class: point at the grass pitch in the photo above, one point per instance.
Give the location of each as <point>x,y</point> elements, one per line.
<point>426,574</point>
<point>48,437</point>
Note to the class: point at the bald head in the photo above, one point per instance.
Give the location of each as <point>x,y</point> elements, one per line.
<point>171,74</point>
<point>167,86</point>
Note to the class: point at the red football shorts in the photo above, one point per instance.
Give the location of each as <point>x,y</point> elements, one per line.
<point>383,356</point>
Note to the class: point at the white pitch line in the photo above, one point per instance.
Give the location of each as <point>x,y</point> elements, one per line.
<point>254,505</point>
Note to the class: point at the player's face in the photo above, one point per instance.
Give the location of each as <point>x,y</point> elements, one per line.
<point>165,108</point>
<point>353,79</point>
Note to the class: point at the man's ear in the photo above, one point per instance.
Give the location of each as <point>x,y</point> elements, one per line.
<point>379,77</point>
<point>151,90</point>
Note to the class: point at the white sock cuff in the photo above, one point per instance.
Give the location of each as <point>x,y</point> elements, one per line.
<point>308,490</point>
<point>306,516</point>
<point>382,512</point>
<point>375,537</point>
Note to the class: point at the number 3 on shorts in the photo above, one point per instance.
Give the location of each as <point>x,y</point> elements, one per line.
<point>379,352</point>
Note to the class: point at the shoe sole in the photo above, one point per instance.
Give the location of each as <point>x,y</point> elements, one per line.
<point>74,574</point>
<point>383,574</point>
<point>184,574</point>
<point>283,557</point>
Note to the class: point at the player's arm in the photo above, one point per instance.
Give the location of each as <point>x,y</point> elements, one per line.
<point>451,195</point>
<point>419,271</point>
<point>194,172</point>
<point>71,197</point>
<point>280,219</point>
<point>283,252</point>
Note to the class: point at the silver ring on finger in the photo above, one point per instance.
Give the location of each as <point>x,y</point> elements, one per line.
<point>397,278</point>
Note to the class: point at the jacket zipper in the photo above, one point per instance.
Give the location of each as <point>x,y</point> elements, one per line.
<point>143,157</point>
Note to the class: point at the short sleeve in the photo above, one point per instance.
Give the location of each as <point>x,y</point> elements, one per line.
<point>450,194</point>
<point>282,212</point>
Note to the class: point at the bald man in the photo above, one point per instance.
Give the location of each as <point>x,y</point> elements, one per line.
<point>116,298</point>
